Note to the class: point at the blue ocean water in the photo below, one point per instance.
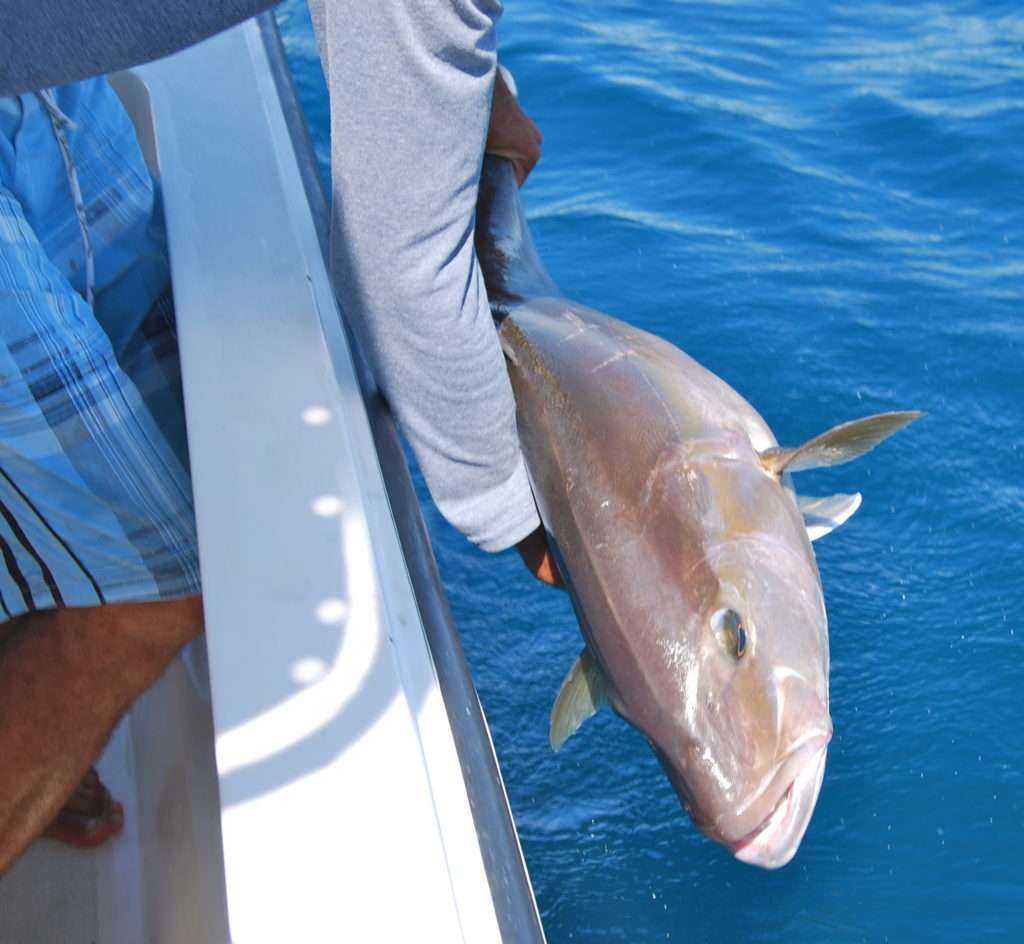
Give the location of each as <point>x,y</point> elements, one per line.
<point>822,203</point>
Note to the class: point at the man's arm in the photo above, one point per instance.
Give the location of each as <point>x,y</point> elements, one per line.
<point>44,43</point>
<point>410,91</point>
<point>513,135</point>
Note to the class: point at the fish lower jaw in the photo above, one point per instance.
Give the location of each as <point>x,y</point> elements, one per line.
<point>772,825</point>
<point>775,841</point>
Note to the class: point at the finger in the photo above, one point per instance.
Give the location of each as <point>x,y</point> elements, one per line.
<point>538,558</point>
<point>548,572</point>
<point>521,166</point>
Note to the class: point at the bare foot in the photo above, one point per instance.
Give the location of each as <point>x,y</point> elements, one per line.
<point>90,816</point>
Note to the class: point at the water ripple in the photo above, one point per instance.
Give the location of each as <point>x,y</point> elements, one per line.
<point>822,203</point>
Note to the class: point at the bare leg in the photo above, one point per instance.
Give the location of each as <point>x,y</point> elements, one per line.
<point>91,815</point>
<point>66,677</point>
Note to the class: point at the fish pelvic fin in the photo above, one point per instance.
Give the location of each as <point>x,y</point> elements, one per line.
<point>824,515</point>
<point>582,694</point>
<point>840,444</point>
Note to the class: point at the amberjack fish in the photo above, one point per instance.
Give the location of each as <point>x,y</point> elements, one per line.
<point>684,548</point>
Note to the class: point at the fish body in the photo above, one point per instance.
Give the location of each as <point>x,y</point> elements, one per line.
<point>675,524</point>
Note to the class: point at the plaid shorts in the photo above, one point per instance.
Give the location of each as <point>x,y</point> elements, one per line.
<point>95,495</point>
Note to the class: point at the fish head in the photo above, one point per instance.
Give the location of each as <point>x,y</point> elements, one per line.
<point>742,723</point>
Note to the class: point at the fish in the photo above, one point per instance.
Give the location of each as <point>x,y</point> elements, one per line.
<point>670,509</point>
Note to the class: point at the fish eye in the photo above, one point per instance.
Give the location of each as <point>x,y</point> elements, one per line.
<point>730,632</point>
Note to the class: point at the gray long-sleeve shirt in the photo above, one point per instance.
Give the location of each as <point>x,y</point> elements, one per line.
<point>410,84</point>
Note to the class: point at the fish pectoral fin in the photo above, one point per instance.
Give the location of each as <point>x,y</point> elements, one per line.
<point>840,444</point>
<point>824,515</point>
<point>582,694</point>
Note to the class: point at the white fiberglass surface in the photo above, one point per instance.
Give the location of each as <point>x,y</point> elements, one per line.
<point>343,801</point>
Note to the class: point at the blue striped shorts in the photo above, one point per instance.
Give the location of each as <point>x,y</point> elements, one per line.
<point>95,496</point>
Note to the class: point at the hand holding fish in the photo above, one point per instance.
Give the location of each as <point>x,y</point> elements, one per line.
<point>536,554</point>
<point>512,134</point>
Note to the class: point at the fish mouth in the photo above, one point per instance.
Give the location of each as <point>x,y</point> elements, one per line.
<point>774,841</point>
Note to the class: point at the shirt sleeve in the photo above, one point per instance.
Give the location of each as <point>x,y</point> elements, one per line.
<point>410,88</point>
<point>44,43</point>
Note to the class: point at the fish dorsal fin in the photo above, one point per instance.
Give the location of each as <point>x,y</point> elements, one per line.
<point>581,695</point>
<point>823,515</point>
<point>840,444</point>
